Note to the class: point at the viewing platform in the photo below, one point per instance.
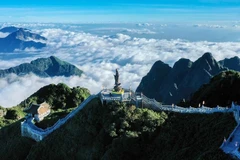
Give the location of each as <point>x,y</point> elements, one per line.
<point>125,95</point>
<point>117,93</point>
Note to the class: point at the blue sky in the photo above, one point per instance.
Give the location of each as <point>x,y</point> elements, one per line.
<point>93,3</point>
<point>119,11</point>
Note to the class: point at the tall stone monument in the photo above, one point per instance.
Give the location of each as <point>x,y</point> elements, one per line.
<point>117,86</point>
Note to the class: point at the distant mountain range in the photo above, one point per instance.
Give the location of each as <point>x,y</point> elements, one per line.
<point>44,67</point>
<point>9,29</point>
<point>174,84</point>
<point>20,39</point>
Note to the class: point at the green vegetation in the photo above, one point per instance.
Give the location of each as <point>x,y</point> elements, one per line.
<point>59,96</point>
<point>117,131</point>
<point>53,66</point>
<point>44,67</point>
<point>96,128</point>
<point>193,136</point>
<point>53,117</point>
<point>222,90</point>
<point>3,112</point>
<point>114,131</point>
<point>12,145</point>
<point>14,113</point>
<point>62,99</point>
<point>10,115</point>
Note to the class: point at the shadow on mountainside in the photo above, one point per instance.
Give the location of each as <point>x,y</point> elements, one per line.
<point>12,144</point>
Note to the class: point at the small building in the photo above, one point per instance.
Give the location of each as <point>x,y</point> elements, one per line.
<point>38,111</point>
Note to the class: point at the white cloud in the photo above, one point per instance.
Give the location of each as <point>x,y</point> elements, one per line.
<point>140,31</point>
<point>3,35</point>
<point>31,49</point>
<point>14,89</point>
<point>27,25</point>
<point>126,30</point>
<point>19,58</point>
<point>144,24</point>
<point>99,56</point>
<point>236,26</point>
<point>210,25</point>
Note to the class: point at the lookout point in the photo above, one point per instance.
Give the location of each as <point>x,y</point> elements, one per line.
<point>120,94</point>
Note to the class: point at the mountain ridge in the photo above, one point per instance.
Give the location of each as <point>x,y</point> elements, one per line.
<point>20,39</point>
<point>184,78</point>
<point>9,29</point>
<point>44,67</point>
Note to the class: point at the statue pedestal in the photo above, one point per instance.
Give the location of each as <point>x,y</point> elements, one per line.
<point>117,88</point>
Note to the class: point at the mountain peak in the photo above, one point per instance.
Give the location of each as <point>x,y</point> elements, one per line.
<point>54,58</point>
<point>20,39</point>
<point>57,61</point>
<point>21,29</point>
<point>151,82</point>
<point>183,62</point>
<point>179,82</point>
<point>159,66</point>
<point>235,58</point>
<point>207,62</point>
<point>9,29</point>
<point>231,63</point>
<point>207,55</point>
<point>25,35</point>
<point>44,67</point>
<point>54,66</point>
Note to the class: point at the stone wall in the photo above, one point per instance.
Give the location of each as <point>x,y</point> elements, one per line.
<point>28,129</point>
<point>153,104</point>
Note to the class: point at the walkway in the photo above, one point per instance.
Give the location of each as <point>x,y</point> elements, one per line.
<point>31,130</point>
<point>231,145</point>
<point>206,110</point>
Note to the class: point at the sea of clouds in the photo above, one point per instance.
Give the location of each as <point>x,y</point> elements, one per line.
<point>98,55</point>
